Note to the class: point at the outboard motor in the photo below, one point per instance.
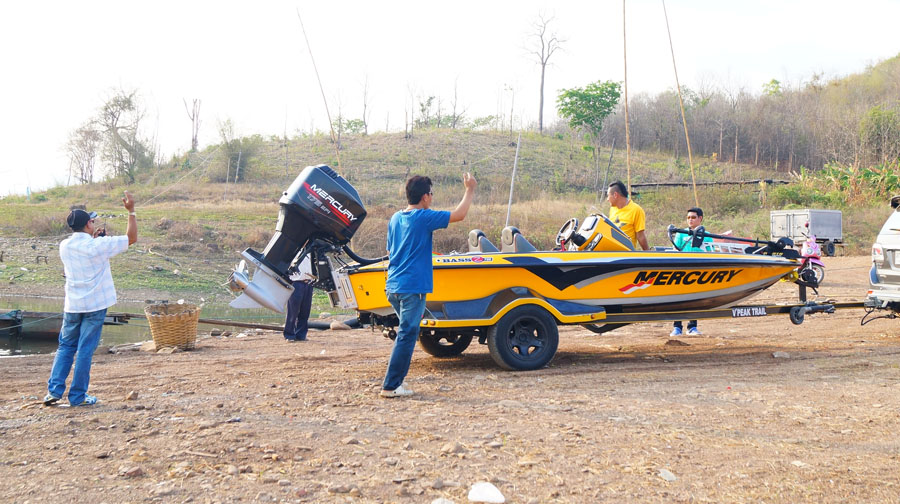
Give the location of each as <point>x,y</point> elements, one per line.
<point>318,206</point>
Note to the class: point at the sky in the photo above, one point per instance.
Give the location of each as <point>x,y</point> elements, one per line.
<point>248,62</point>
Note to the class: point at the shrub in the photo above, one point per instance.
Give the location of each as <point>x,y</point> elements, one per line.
<point>48,225</point>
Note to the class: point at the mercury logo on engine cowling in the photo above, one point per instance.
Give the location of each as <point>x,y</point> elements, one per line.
<point>344,214</point>
<point>645,279</point>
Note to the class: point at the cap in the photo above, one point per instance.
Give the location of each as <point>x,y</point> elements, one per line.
<point>79,218</point>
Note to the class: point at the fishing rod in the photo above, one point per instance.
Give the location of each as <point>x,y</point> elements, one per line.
<point>512,181</point>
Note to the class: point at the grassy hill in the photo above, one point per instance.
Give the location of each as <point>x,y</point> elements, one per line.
<point>201,225</point>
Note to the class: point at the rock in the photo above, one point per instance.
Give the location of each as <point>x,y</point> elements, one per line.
<point>441,500</point>
<point>453,448</point>
<point>148,346</point>
<point>666,475</point>
<point>163,489</point>
<point>437,484</point>
<point>349,440</point>
<point>391,461</point>
<point>485,492</point>
<point>339,326</point>
<point>284,482</point>
<point>241,335</point>
<point>342,489</point>
<point>494,444</point>
<point>168,350</point>
<point>226,334</point>
<point>215,331</point>
<point>130,472</point>
<point>131,396</point>
<point>324,314</point>
<point>675,342</point>
<point>781,355</point>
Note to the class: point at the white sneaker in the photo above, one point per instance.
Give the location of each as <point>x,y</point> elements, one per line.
<point>400,391</point>
<point>694,332</point>
<point>675,332</point>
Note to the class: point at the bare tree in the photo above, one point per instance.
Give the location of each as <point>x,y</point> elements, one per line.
<point>365,111</point>
<point>82,147</point>
<point>456,117</point>
<point>194,115</point>
<point>123,150</point>
<point>545,45</point>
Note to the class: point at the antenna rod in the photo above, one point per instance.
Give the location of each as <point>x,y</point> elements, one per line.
<point>512,180</point>
<point>337,150</point>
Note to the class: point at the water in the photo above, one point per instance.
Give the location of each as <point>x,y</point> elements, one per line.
<point>137,329</point>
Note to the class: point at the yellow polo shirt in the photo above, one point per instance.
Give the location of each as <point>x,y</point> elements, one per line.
<point>630,219</point>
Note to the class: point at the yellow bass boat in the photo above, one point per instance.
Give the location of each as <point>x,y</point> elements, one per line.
<point>513,297</point>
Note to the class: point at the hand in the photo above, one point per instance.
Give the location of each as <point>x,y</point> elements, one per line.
<point>469,181</point>
<point>128,202</point>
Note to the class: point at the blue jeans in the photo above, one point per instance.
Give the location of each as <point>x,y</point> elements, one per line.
<point>410,308</point>
<point>78,339</point>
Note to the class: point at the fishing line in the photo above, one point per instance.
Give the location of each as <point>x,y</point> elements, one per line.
<point>687,137</point>
<point>202,163</point>
<point>337,150</point>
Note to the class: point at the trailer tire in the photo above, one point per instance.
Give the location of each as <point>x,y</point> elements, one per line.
<point>524,339</point>
<point>829,248</point>
<point>444,343</point>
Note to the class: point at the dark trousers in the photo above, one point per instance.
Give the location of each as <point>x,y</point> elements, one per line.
<point>296,322</point>
<point>691,324</point>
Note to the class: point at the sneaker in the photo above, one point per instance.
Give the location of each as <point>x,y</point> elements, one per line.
<point>400,391</point>
<point>675,332</point>
<point>89,400</point>
<point>693,331</point>
<point>50,400</point>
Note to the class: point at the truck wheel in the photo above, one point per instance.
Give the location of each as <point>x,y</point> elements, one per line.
<point>446,343</point>
<point>526,338</point>
<point>829,248</point>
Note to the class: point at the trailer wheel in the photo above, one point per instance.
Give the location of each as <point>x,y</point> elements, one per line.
<point>829,248</point>
<point>446,343</point>
<point>526,338</point>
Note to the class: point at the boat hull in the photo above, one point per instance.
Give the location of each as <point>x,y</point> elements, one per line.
<point>470,286</point>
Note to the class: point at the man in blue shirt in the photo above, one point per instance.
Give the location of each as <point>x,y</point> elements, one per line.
<point>409,277</point>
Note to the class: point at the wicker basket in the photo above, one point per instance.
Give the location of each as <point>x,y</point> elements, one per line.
<point>173,324</point>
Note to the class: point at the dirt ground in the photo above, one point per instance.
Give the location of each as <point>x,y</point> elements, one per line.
<point>627,416</point>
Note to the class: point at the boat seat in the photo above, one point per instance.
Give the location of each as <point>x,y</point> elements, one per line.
<point>512,241</point>
<point>479,243</point>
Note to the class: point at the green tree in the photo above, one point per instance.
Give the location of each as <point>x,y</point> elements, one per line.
<point>586,108</point>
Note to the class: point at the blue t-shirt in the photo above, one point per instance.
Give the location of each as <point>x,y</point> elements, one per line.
<point>409,247</point>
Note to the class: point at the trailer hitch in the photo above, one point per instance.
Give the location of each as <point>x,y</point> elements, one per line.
<point>799,312</point>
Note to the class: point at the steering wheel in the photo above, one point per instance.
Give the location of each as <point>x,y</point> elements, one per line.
<point>566,231</point>
<point>671,232</point>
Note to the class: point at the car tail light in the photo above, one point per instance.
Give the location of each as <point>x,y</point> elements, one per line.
<point>877,253</point>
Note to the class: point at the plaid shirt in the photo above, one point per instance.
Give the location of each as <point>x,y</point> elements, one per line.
<point>89,283</point>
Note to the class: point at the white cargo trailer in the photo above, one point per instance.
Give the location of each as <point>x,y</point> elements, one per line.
<point>826,225</point>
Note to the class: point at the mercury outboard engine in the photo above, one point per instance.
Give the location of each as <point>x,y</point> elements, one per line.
<point>319,207</point>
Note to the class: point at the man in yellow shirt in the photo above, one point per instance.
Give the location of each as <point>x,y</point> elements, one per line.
<point>627,214</point>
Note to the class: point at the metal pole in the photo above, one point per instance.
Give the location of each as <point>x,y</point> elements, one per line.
<point>512,181</point>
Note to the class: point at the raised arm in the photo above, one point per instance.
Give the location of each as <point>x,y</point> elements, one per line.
<point>459,213</point>
<point>131,231</point>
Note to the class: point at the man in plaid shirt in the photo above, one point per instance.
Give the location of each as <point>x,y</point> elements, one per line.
<point>89,292</point>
